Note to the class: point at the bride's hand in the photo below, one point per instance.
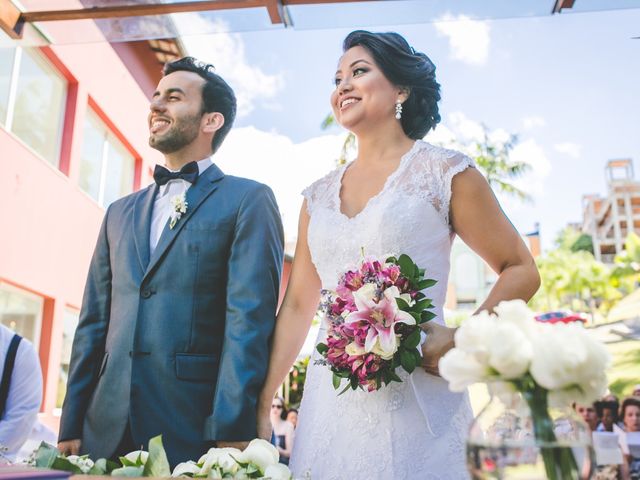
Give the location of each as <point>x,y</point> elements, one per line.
<point>439,341</point>
<point>264,426</point>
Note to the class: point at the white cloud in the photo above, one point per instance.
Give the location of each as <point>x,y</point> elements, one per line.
<point>531,152</point>
<point>568,148</point>
<point>285,166</point>
<point>533,122</point>
<point>468,39</point>
<point>226,52</point>
<point>465,129</point>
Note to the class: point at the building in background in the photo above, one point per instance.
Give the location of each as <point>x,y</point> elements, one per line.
<point>471,279</point>
<point>608,220</point>
<point>73,138</point>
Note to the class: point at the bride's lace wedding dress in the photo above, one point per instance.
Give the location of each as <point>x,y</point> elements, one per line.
<point>410,430</point>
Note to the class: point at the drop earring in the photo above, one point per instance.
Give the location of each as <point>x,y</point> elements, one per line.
<point>398,110</point>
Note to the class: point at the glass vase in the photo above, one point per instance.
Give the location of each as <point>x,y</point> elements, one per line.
<point>517,436</point>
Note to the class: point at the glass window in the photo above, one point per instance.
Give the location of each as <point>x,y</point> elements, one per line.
<point>92,154</point>
<point>7,55</point>
<point>106,166</point>
<point>39,106</point>
<point>22,312</point>
<point>68,331</point>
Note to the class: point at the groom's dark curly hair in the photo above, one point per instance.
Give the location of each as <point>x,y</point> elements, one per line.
<point>217,95</point>
<point>404,67</point>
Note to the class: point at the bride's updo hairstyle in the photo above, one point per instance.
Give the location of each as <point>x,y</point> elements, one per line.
<point>404,67</point>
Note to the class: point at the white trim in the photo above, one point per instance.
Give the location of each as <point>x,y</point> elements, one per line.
<point>13,88</point>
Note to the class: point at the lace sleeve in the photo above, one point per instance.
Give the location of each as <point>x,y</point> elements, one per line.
<point>453,165</point>
<point>320,191</point>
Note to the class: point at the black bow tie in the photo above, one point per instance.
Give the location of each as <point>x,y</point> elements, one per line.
<point>188,172</point>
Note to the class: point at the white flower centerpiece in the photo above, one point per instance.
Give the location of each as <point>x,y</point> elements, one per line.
<point>544,365</point>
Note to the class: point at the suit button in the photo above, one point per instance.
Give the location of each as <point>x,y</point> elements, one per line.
<point>146,293</point>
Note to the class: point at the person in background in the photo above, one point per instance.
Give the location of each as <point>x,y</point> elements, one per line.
<point>588,414</point>
<point>292,417</point>
<point>282,430</point>
<point>607,412</point>
<point>636,391</point>
<point>20,391</point>
<point>630,414</point>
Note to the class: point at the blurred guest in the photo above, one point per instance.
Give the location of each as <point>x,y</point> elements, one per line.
<point>292,417</point>
<point>636,391</point>
<point>607,412</point>
<point>282,430</point>
<point>588,414</point>
<point>630,413</point>
<point>20,391</point>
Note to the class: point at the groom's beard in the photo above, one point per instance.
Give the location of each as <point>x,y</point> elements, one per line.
<point>182,133</point>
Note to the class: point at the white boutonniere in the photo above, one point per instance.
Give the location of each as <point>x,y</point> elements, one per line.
<point>178,208</point>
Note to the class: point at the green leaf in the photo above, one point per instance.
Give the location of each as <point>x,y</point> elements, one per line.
<point>128,463</point>
<point>394,377</point>
<point>407,267</point>
<point>322,348</point>
<point>157,464</point>
<point>425,316</point>
<point>100,467</point>
<point>423,304</point>
<point>336,381</point>
<point>129,472</point>
<point>46,455</point>
<point>422,284</point>
<point>408,361</point>
<point>62,463</point>
<point>347,387</point>
<point>402,304</point>
<point>412,340</point>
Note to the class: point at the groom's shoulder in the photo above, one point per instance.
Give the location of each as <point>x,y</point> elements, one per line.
<point>242,186</point>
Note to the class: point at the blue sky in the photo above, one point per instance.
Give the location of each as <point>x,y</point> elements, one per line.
<point>566,84</point>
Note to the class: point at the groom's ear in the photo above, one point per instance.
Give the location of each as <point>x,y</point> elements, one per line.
<point>212,122</point>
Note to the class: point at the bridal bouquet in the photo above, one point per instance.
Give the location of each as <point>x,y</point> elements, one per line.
<point>259,460</point>
<point>549,365</point>
<point>374,319</point>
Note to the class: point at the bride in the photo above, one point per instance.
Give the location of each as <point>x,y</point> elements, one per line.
<point>400,195</point>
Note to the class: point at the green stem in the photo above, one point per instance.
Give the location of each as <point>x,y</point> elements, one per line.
<point>559,462</point>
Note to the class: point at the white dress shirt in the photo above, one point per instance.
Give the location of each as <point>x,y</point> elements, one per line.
<point>25,394</point>
<point>162,204</point>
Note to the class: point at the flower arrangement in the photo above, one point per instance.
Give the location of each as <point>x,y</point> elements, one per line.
<point>374,319</point>
<point>548,364</point>
<point>178,208</point>
<point>258,461</point>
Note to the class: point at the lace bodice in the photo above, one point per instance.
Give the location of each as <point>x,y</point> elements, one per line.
<point>409,430</point>
<point>409,215</point>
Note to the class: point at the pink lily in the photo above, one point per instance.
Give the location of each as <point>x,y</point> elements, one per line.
<point>381,318</point>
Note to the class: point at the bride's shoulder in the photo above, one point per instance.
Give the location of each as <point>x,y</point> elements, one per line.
<point>439,158</point>
<point>322,188</point>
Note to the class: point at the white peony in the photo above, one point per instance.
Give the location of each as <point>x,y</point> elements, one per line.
<point>84,463</point>
<point>510,351</point>
<point>517,313</point>
<point>137,454</point>
<point>461,369</point>
<point>277,472</point>
<point>224,458</point>
<point>259,452</point>
<point>473,336</point>
<point>182,469</point>
<point>570,363</point>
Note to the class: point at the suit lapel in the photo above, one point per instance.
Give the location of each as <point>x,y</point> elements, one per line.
<point>142,211</point>
<point>196,194</point>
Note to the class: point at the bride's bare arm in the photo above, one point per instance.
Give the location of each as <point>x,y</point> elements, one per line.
<point>293,322</point>
<point>478,219</point>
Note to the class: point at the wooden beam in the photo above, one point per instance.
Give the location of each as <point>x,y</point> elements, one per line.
<point>10,21</point>
<point>560,4</point>
<point>276,11</point>
<point>138,10</point>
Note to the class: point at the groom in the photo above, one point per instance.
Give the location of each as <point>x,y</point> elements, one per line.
<point>180,300</point>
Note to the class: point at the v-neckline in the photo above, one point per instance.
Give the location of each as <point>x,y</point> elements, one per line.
<point>390,177</point>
